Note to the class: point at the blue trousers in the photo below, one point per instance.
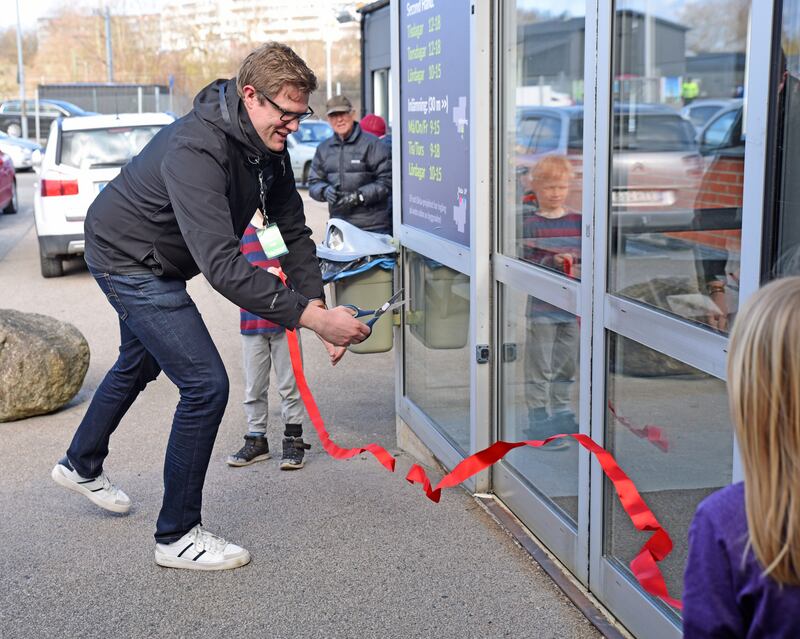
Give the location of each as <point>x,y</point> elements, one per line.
<point>160,329</point>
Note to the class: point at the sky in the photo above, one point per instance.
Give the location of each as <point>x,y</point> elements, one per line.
<point>662,8</point>
<point>32,10</point>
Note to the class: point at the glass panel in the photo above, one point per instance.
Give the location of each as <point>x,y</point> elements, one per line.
<point>543,134</point>
<point>648,390</point>
<point>437,357</point>
<point>97,148</point>
<point>380,93</point>
<point>539,395</point>
<point>787,252</point>
<point>677,156</point>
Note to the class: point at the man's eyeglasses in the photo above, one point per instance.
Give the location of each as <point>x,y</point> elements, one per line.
<point>288,116</point>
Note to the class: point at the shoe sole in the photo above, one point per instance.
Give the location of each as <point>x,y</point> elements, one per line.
<point>292,466</point>
<point>168,561</point>
<point>62,480</point>
<point>241,462</point>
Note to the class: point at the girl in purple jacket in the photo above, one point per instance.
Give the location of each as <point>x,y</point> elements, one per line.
<point>743,572</point>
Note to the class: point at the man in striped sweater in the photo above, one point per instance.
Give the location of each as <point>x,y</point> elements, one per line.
<point>264,346</point>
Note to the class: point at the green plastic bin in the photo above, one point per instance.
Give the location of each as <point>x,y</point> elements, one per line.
<point>439,304</point>
<point>368,290</point>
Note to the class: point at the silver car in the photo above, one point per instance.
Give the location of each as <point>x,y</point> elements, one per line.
<point>302,146</point>
<point>22,152</point>
<point>656,167</point>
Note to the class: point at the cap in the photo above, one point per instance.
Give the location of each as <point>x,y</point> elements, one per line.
<point>374,124</point>
<point>338,104</point>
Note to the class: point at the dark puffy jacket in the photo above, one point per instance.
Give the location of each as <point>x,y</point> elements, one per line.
<point>362,162</point>
<point>180,207</point>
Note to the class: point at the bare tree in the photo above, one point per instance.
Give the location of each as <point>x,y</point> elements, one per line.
<point>9,87</point>
<point>716,25</point>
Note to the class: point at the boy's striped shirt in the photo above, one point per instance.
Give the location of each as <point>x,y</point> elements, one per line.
<point>250,246</point>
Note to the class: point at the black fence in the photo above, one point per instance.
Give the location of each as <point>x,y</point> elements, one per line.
<point>111,98</point>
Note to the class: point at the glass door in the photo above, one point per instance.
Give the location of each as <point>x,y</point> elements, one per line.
<point>539,268</point>
<point>672,181</point>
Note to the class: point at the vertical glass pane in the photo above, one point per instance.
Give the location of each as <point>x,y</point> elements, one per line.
<point>539,395</point>
<point>677,155</point>
<point>437,346</point>
<point>543,133</point>
<point>787,161</point>
<point>649,390</point>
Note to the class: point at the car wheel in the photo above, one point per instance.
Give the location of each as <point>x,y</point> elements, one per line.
<point>306,173</point>
<point>51,266</point>
<point>13,204</point>
<point>14,130</point>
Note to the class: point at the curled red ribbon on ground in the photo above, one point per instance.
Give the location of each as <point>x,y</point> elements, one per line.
<point>644,565</point>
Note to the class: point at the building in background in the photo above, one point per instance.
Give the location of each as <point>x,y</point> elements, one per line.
<point>610,315</point>
<point>376,60</point>
<point>192,23</point>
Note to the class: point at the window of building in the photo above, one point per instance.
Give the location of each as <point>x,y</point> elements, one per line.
<point>784,244</point>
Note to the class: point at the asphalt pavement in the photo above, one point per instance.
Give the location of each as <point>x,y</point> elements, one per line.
<point>340,548</point>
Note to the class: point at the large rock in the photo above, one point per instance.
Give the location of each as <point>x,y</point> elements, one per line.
<point>42,364</point>
<point>632,358</point>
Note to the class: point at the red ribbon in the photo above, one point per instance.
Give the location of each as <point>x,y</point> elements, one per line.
<point>651,433</point>
<point>644,565</point>
<point>333,449</point>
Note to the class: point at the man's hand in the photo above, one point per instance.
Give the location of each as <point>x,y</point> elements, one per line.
<point>331,194</point>
<point>334,352</point>
<point>336,325</point>
<point>349,200</point>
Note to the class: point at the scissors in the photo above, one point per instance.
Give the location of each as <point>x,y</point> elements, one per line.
<point>393,302</point>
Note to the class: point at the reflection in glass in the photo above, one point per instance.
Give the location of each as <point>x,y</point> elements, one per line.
<point>103,148</point>
<point>539,386</point>
<point>677,162</point>
<point>787,171</point>
<point>436,344</point>
<point>646,388</point>
<point>543,135</point>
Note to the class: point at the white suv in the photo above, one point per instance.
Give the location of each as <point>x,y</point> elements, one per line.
<point>83,155</point>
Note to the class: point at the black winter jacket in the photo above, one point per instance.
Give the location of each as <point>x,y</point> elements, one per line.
<point>180,207</point>
<point>362,162</point>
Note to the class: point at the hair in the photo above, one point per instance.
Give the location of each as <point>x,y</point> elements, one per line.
<point>271,67</point>
<point>764,395</point>
<point>552,167</point>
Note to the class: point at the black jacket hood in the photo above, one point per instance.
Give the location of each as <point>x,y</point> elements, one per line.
<point>219,104</point>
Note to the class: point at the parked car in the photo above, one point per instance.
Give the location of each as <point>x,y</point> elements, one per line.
<point>699,112</point>
<point>722,144</point>
<point>82,156</point>
<point>303,143</point>
<point>723,131</point>
<point>656,167</point>
<point>22,152</point>
<point>8,185</point>
<point>49,110</point>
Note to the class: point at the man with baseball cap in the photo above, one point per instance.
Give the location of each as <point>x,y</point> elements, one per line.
<point>352,171</point>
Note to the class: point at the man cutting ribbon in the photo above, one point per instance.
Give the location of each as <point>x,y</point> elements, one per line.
<point>178,209</point>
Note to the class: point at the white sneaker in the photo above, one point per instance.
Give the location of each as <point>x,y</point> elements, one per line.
<point>99,490</point>
<point>201,550</point>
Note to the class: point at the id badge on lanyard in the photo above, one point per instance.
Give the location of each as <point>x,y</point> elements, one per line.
<point>269,235</point>
<point>272,241</point>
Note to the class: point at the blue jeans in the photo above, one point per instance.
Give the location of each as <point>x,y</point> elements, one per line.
<point>160,329</point>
